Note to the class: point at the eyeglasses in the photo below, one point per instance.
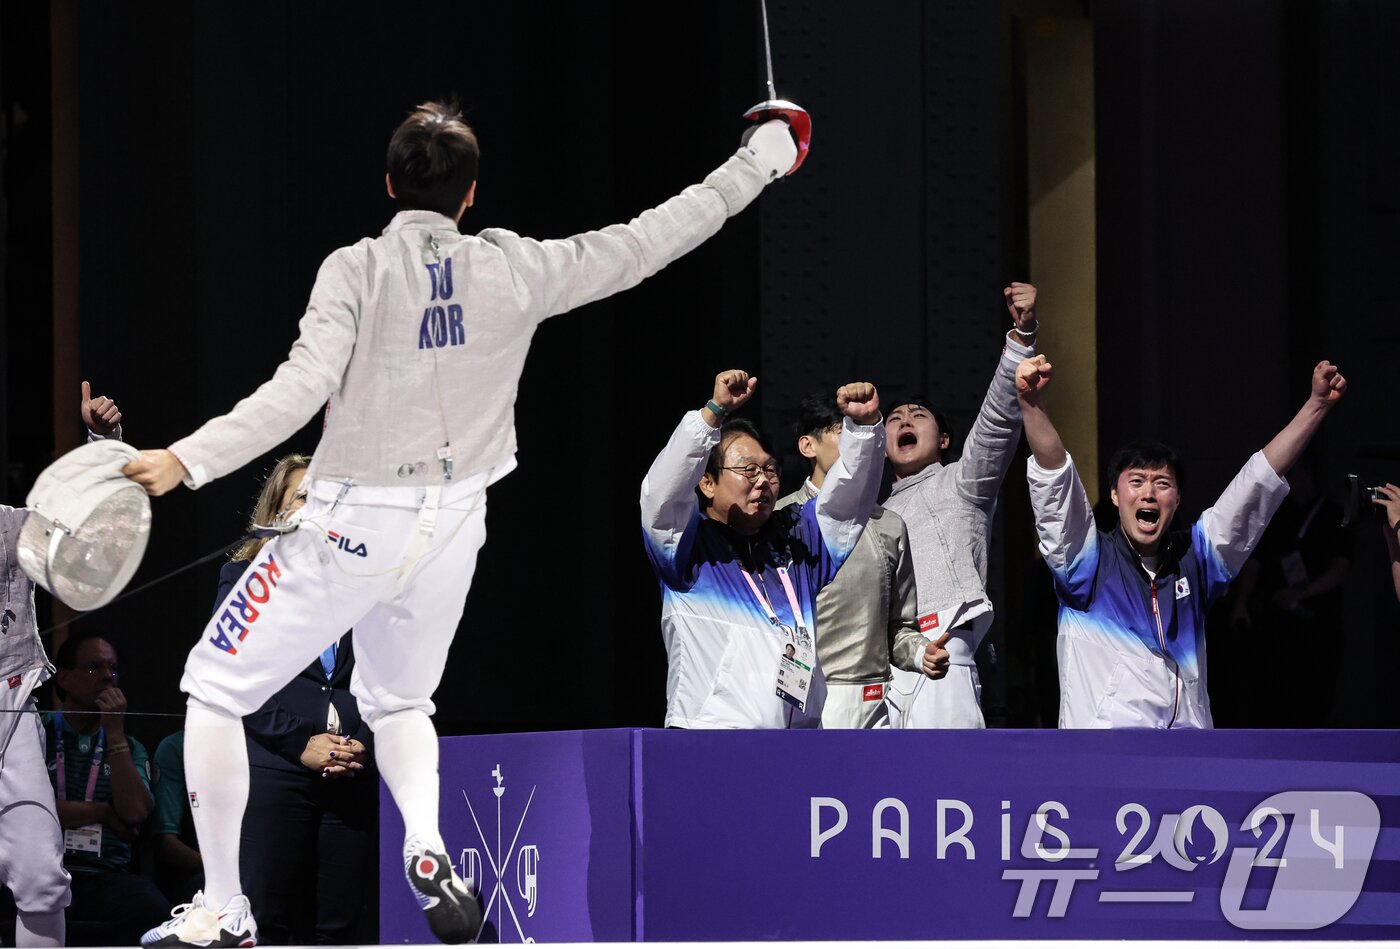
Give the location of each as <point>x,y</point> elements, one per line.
<point>106,669</point>
<point>753,472</point>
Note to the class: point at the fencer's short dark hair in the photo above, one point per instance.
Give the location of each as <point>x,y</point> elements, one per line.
<point>816,413</point>
<point>939,418</point>
<point>433,157</point>
<point>1145,453</point>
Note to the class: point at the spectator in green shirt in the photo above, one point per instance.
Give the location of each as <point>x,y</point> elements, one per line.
<point>101,779</point>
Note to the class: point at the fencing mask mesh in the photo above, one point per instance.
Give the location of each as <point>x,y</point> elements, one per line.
<point>87,526</point>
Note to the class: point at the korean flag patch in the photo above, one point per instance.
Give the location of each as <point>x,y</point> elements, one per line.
<point>1183,588</point>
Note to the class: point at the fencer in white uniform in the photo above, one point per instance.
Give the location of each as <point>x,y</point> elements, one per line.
<point>419,337</point>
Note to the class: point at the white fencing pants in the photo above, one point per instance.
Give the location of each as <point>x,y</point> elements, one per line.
<point>380,560</point>
<point>31,839</point>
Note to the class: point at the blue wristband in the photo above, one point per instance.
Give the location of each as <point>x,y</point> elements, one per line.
<point>717,409</point>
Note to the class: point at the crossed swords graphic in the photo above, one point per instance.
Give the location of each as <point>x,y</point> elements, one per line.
<point>500,889</point>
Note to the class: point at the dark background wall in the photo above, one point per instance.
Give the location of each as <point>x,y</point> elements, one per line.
<point>1247,212</point>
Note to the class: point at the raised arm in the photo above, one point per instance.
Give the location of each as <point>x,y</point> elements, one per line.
<point>1064,521</point>
<point>1328,387</point>
<point>991,443</point>
<point>848,492</point>
<point>564,274</point>
<point>670,510</point>
<point>1233,525</point>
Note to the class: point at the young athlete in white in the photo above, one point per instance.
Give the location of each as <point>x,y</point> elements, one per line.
<point>420,336</point>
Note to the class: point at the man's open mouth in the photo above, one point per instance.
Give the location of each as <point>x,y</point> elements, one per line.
<point>1148,517</point>
<point>907,440</point>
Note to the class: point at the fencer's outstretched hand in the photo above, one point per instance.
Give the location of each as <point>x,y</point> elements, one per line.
<point>1032,378</point>
<point>773,145</point>
<point>1328,384</point>
<point>1020,300</point>
<point>157,471</point>
<point>733,388</point>
<point>936,658</point>
<point>860,402</point>
<point>100,415</point>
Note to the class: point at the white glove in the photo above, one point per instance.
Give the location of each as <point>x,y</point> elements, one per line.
<point>773,145</point>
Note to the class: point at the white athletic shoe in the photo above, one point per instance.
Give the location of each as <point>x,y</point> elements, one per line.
<point>452,910</point>
<point>194,924</point>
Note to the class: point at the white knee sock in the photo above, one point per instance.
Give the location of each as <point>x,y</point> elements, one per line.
<point>406,749</point>
<point>216,776</point>
<point>39,929</point>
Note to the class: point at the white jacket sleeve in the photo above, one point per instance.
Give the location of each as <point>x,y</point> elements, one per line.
<point>848,493</point>
<point>298,389</point>
<point>670,510</point>
<point>991,443</point>
<point>1233,525</point>
<point>1064,522</point>
<point>561,275</point>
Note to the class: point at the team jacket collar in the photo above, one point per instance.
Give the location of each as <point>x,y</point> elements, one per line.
<point>1173,547</point>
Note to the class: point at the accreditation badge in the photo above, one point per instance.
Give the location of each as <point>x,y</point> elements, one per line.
<point>86,839</point>
<point>795,670</point>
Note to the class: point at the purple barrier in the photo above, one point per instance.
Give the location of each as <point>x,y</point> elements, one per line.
<point>668,835</point>
<point>542,823</point>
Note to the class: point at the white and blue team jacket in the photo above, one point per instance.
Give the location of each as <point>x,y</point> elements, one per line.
<point>722,649</point>
<point>1122,662</point>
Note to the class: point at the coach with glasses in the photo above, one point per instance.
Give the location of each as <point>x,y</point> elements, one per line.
<point>739,580</point>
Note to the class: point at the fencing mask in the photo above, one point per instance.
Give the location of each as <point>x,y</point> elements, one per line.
<point>87,526</point>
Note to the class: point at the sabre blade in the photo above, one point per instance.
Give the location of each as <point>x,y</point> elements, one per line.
<point>767,49</point>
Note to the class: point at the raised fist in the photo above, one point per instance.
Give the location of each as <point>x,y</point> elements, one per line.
<point>100,415</point>
<point>860,402</point>
<point>1328,384</point>
<point>1020,301</point>
<point>733,387</point>
<point>1032,376</point>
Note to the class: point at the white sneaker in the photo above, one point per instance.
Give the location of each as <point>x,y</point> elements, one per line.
<point>194,924</point>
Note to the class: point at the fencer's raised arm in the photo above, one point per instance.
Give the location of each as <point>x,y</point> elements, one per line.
<point>511,283</point>
<point>991,442</point>
<point>561,275</point>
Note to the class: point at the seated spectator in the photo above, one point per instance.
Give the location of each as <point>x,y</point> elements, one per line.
<point>866,616</point>
<point>103,794</point>
<point>1133,600</point>
<point>179,869</point>
<point>739,581</point>
<point>309,844</point>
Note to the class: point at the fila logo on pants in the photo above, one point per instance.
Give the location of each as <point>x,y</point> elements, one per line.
<point>347,545</point>
<point>238,617</point>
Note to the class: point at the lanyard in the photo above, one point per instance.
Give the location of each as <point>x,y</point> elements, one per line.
<point>767,606</point>
<point>59,771</point>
